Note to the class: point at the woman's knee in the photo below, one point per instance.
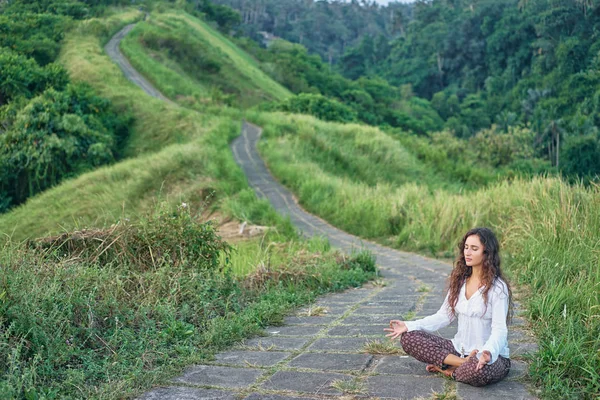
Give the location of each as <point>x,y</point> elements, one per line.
<point>409,340</point>
<point>485,376</point>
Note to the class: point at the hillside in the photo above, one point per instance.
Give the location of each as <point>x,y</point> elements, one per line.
<point>193,64</point>
<point>138,283</point>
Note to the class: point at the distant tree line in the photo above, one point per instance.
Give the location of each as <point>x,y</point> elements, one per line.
<point>327,28</point>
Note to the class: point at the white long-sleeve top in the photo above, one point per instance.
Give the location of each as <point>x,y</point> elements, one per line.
<point>479,327</point>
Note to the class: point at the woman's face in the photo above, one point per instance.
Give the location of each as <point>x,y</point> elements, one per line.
<point>473,251</point>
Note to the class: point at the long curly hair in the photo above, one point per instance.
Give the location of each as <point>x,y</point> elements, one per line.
<point>491,269</point>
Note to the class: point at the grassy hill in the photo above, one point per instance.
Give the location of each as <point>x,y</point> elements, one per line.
<point>192,63</point>
<point>175,153</point>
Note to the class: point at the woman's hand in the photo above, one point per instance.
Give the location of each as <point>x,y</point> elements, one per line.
<point>485,358</point>
<point>396,328</point>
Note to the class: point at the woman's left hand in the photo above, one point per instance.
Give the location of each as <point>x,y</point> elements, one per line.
<point>485,358</point>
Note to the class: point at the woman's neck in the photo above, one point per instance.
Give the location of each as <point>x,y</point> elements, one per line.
<point>477,272</point>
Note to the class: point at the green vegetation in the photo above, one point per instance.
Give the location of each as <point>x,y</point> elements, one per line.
<point>112,319</point>
<point>369,99</point>
<point>51,129</point>
<point>192,63</point>
<point>523,64</point>
<point>58,134</point>
<point>327,28</point>
<point>108,313</point>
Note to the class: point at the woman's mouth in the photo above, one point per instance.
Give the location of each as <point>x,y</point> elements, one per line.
<point>468,259</point>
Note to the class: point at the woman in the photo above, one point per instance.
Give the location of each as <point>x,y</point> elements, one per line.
<point>480,298</point>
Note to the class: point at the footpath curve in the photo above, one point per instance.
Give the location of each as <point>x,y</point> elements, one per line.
<point>318,357</point>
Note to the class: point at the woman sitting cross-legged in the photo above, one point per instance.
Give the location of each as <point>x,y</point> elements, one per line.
<point>480,298</point>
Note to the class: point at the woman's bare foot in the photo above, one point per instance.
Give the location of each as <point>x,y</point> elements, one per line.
<point>431,368</point>
<point>434,368</point>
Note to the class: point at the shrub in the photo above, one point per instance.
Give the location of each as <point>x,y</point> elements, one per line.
<point>319,106</point>
<point>581,157</point>
<point>57,135</point>
<point>165,237</point>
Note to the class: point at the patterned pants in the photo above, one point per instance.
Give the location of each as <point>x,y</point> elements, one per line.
<point>433,349</point>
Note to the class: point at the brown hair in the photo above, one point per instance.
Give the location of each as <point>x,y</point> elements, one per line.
<point>491,269</point>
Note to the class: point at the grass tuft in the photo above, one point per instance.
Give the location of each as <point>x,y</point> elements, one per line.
<point>386,347</point>
<point>317,311</point>
<point>353,386</point>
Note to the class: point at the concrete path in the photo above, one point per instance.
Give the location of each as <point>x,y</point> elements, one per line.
<point>327,350</point>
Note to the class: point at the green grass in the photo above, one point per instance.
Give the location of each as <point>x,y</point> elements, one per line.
<point>74,328</point>
<point>349,151</point>
<point>245,259</point>
<point>180,54</point>
<point>548,228</point>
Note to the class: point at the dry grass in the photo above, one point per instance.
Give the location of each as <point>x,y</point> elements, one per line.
<point>387,347</point>
<point>349,387</point>
<point>317,311</point>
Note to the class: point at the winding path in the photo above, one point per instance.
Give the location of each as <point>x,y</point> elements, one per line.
<point>313,357</point>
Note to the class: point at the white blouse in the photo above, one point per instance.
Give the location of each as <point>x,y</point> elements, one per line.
<point>478,328</point>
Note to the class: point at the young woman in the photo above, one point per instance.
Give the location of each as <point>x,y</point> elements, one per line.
<point>480,298</point>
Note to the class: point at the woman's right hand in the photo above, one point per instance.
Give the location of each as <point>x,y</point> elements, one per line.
<point>396,328</point>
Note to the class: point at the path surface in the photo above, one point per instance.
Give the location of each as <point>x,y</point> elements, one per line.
<point>315,357</point>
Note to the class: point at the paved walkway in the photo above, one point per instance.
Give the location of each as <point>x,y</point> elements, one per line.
<point>321,351</point>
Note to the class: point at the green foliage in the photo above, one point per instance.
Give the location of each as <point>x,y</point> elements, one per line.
<point>225,17</point>
<point>326,28</point>
<point>318,106</point>
<point>581,157</point>
<point>56,135</point>
<point>22,76</point>
<point>371,100</point>
<point>501,149</point>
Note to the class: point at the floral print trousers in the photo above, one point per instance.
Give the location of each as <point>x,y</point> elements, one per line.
<point>434,349</point>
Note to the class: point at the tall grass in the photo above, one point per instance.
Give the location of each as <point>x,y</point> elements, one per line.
<point>548,228</point>
<point>77,326</point>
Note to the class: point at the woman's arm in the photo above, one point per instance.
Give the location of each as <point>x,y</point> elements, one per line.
<point>498,338</point>
<point>433,322</point>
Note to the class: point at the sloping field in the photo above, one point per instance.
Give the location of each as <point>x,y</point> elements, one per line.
<point>193,64</point>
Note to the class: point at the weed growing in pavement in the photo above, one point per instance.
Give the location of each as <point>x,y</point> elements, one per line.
<point>382,347</point>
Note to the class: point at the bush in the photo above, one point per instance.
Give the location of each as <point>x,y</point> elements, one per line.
<point>317,105</point>
<point>57,135</point>
<point>166,237</point>
<point>581,157</point>
<point>22,76</point>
